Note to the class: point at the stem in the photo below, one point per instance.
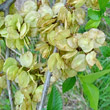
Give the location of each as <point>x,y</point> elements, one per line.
<point>10,94</point>
<point>49,74</point>
<point>16,52</point>
<point>5,8</point>
<point>9,85</point>
<point>47,82</point>
<point>46,86</point>
<point>45,90</point>
<point>1,72</point>
<point>2,57</point>
<point>15,85</point>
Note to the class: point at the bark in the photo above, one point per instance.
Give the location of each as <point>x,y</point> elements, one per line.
<point>46,86</point>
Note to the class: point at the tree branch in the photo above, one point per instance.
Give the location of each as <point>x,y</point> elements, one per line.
<point>2,57</point>
<point>49,74</point>
<point>15,85</point>
<point>9,85</point>
<point>1,72</point>
<point>46,86</point>
<point>45,90</point>
<point>6,5</point>
<point>16,52</point>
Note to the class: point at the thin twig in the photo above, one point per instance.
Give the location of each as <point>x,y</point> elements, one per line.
<point>9,85</point>
<point>47,82</point>
<point>16,52</point>
<point>2,57</point>
<point>1,72</point>
<point>51,4</point>
<point>5,8</point>
<point>10,94</point>
<point>49,74</point>
<point>45,90</point>
<point>46,86</point>
<point>15,85</point>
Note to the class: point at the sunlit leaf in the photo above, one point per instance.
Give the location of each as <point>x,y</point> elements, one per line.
<point>19,97</point>
<point>94,14</point>
<point>9,62</point>
<point>92,93</point>
<point>23,79</point>
<point>26,59</point>
<point>93,76</point>
<point>92,24</point>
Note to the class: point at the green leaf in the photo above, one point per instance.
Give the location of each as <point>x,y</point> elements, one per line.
<point>102,5</point>
<point>55,101</point>
<point>68,84</point>
<point>92,93</point>
<point>3,45</point>
<point>94,14</point>
<point>92,24</point>
<point>93,76</point>
<point>108,5</point>
<point>81,29</point>
<point>107,19</point>
<point>105,51</point>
